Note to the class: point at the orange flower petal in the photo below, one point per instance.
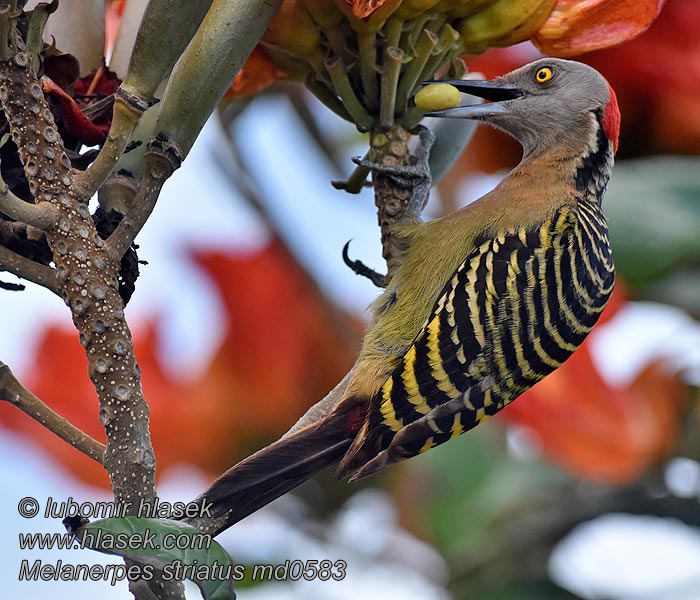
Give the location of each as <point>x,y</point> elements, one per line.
<point>284,347</point>
<point>577,26</point>
<point>257,74</point>
<point>364,8</point>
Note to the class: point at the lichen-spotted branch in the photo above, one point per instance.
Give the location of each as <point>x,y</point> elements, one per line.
<point>86,279</point>
<point>12,391</point>
<point>389,148</point>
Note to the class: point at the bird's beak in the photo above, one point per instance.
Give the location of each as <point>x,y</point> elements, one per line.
<point>495,91</point>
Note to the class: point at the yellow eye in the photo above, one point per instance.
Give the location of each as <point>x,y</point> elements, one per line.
<point>544,74</point>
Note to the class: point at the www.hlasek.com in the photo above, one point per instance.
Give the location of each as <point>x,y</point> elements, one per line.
<point>38,570</point>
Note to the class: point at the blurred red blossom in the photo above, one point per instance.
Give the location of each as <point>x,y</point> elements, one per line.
<point>577,26</point>
<point>285,347</point>
<point>656,78</point>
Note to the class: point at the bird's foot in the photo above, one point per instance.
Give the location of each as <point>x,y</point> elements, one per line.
<point>355,183</point>
<point>360,268</point>
<point>427,139</point>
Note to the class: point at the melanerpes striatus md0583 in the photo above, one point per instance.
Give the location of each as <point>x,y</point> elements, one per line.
<point>486,301</point>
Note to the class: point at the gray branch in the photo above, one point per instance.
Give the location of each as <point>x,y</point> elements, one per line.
<point>42,215</point>
<point>26,268</point>
<point>12,391</point>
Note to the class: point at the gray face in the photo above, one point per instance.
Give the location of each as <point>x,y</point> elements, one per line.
<point>557,107</point>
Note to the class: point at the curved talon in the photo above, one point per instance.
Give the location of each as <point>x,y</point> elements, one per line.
<point>359,268</point>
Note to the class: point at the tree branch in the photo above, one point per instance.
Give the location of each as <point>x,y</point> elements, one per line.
<point>128,108</point>
<point>161,160</point>
<point>26,268</point>
<point>87,279</point>
<point>12,391</point>
<point>389,148</point>
<point>42,215</point>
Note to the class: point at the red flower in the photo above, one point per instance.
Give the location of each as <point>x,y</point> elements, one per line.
<point>577,26</point>
<point>257,74</point>
<point>73,119</point>
<point>285,347</point>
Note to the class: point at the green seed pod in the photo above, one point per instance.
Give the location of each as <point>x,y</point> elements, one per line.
<point>324,13</point>
<point>437,96</point>
<point>410,9</point>
<point>504,23</point>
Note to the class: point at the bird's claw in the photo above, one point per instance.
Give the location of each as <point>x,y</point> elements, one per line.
<point>427,139</point>
<point>359,268</point>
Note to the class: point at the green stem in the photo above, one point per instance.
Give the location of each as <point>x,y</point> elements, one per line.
<point>393,59</point>
<point>394,29</point>
<point>127,112</point>
<point>356,182</point>
<point>417,28</point>
<point>229,32</point>
<point>411,76</point>
<point>436,24</point>
<point>412,118</point>
<point>339,77</point>
<point>327,97</point>
<point>458,69</point>
<point>35,30</point>
<point>446,47</point>
<point>161,160</point>
<point>366,42</point>
<point>339,45</point>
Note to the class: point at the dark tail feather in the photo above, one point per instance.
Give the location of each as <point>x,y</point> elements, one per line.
<point>276,469</point>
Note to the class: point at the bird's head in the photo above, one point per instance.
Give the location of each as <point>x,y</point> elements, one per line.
<point>548,103</point>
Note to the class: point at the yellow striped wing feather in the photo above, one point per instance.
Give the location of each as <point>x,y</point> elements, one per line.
<point>514,310</point>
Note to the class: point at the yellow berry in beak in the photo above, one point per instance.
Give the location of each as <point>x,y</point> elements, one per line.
<point>437,96</point>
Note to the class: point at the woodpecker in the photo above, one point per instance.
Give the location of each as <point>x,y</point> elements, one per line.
<point>486,301</point>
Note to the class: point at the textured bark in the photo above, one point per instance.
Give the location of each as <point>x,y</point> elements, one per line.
<point>389,148</point>
<point>86,279</point>
<point>16,394</point>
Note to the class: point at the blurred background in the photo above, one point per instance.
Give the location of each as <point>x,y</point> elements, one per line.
<point>587,487</point>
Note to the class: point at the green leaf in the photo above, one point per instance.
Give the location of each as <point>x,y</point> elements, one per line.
<point>457,485</point>
<point>654,217</point>
<point>195,555</point>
